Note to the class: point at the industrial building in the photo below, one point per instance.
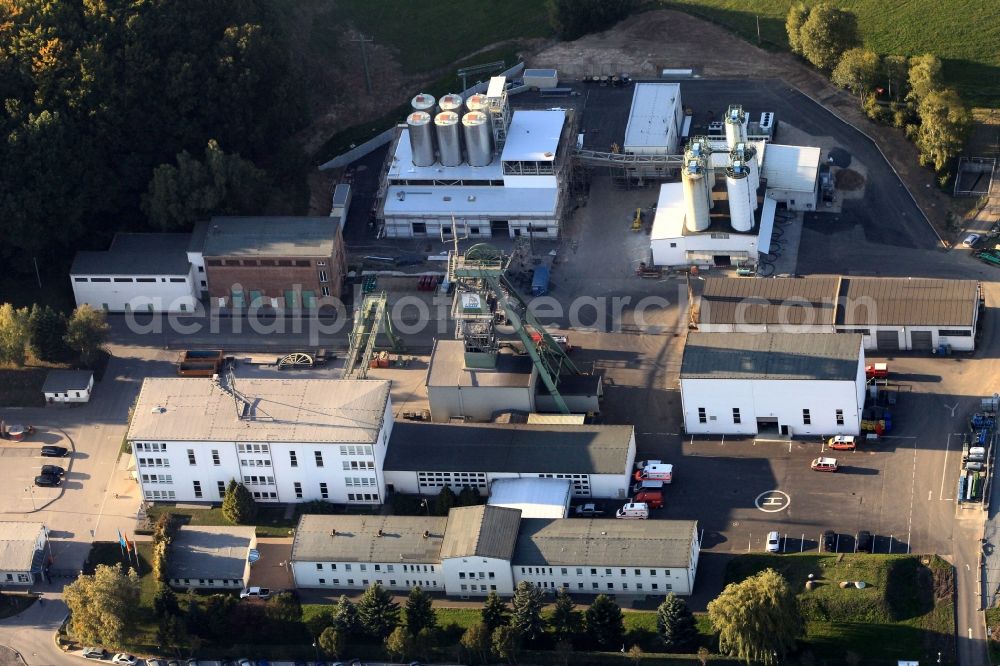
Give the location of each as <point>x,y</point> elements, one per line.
<point>784,383</point>
<point>423,458</point>
<point>288,441</point>
<point>655,120</point>
<point>891,314</point>
<point>25,553</point>
<point>139,272</point>
<point>211,557</point>
<point>475,168</point>
<point>482,549</point>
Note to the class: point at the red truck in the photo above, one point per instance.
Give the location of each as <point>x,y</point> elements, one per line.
<point>200,363</point>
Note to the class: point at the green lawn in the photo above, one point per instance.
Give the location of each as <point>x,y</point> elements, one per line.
<point>965,34</point>
<point>993,630</point>
<point>271,520</point>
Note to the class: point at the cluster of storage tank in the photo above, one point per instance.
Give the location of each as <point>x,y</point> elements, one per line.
<point>698,179</point>
<point>440,131</point>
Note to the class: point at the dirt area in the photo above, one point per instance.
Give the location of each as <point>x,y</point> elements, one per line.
<point>849,179</point>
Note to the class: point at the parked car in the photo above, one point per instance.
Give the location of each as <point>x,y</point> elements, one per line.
<point>864,544</point>
<point>655,472</point>
<point>643,464</point>
<point>173,662</point>
<point>633,511</point>
<point>256,593</point>
<point>829,541</point>
<point>842,443</point>
<point>192,662</point>
<point>244,662</point>
<point>156,662</point>
<point>53,470</point>
<point>654,498</point>
<point>124,659</point>
<point>47,480</point>
<point>54,451</point>
<point>640,486</point>
<point>773,542</point>
<point>971,240</point>
<point>824,464</point>
<point>94,653</point>
<point>588,510</point>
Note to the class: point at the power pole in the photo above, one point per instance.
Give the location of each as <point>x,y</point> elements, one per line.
<point>364,59</point>
<point>758,28</point>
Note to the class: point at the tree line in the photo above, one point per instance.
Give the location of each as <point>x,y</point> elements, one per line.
<point>48,335</point>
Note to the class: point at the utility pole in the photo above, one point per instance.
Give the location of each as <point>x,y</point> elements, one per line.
<point>758,28</point>
<point>364,59</point>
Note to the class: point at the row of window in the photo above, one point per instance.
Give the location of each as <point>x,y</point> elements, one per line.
<point>596,586</point>
<point>262,262</point>
<point>128,279</point>
<point>425,584</point>
<point>608,571</point>
<point>208,582</point>
<point>293,459</point>
<point>21,578</point>
<point>473,574</point>
<point>943,332</point>
<point>389,568</point>
<point>581,482</point>
<point>157,478</point>
<point>737,418</point>
<point>152,447</point>
<point>453,479</point>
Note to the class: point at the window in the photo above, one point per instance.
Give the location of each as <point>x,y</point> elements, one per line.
<point>702,417</point>
<point>593,572</point>
<point>78,279</point>
<point>955,333</point>
<point>177,279</point>
<point>806,417</point>
<point>736,415</point>
<point>145,279</point>
<point>322,581</point>
<point>623,572</point>
<point>840,417</point>
<point>325,291</point>
<point>564,571</point>
<point>323,493</point>
<point>319,458</point>
<point>293,459</point>
<point>123,279</point>
<point>213,262</point>
<point>655,586</point>
<point>652,572</point>
<point>461,575</point>
<point>298,490</point>
<point>579,571</point>
<point>673,245</point>
<point>197,488</point>
<point>100,279</point>
<point>319,566</point>
<point>324,276</point>
<point>303,262</point>
<point>596,586</point>
<point>222,488</point>
<point>638,572</point>
<point>215,457</point>
<point>638,586</point>
<point>191,460</point>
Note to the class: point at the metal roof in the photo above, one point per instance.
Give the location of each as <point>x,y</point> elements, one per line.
<point>668,222</point>
<point>466,201</point>
<point>270,237</point>
<point>533,136</point>
<point>402,167</point>
<point>773,356</point>
<point>481,531</point>
<point>518,448</point>
<point>60,381</point>
<point>137,254</point>
<point>791,168</point>
<point>283,410</point>
<point>356,539</point>
<point>606,542</point>
<point>869,301</point>
<point>210,552</point>
<point>17,545</point>
<point>534,498</point>
<point>447,369</point>
<point>792,301</point>
<point>341,193</point>
<point>653,112</point>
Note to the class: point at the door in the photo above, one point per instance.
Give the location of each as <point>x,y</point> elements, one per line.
<point>500,227</point>
<point>721,260</point>
<point>887,340</point>
<point>921,340</point>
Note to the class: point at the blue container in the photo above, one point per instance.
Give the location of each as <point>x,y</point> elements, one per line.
<point>540,281</point>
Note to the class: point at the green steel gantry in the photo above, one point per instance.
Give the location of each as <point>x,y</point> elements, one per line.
<point>370,319</point>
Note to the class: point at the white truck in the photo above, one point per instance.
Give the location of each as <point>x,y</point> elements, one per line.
<point>658,472</point>
<point>633,511</point>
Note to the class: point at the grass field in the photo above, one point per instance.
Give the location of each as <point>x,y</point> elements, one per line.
<point>271,521</point>
<point>965,34</point>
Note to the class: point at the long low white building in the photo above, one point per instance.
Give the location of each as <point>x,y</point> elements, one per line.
<point>25,554</point>
<point>424,458</point>
<point>787,383</point>
<point>483,549</point>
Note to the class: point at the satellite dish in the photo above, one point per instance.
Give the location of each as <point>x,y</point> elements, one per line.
<point>253,556</point>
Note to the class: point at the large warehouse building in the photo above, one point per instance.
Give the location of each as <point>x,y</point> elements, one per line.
<point>785,383</point>
<point>483,549</point>
<point>890,314</point>
<point>655,120</point>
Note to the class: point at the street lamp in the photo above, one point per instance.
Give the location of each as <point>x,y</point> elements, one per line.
<point>31,492</point>
<point>316,649</point>
<point>426,506</point>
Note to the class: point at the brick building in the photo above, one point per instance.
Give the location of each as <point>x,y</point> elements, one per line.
<point>280,262</point>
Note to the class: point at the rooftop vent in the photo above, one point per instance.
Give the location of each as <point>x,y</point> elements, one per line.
<point>427,534</point>
<point>158,409</point>
<point>547,153</point>
<point>380,533</point>
<point>333,533</point>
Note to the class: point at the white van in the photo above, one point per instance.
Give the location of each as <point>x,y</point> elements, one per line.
<point>633,511</point>
<point>661,472</point>
<point>640,486</point>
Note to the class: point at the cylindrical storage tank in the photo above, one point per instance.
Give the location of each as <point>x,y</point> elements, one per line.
<point>740,195</point>
<point>693,177</point>
<point>700,146</point>
<point>451,102</point>
<point>421,131</point>
<point>478,138</point>
<point>478,102</point>
<point>423,102</point>
<point>748,153</point>
<point>449,136</point>
<point>735,130</point>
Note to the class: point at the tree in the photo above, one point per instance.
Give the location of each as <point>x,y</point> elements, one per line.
<point>563,650</point>
<point>238,506</point>
<point>574,18</point>
<point>46,332</point>
<point>944,125</point>
<point>419,611</point>
<point>424,641</point>
<point>102,606</point>
<point>896,70</point>
<point>13,334</point>
<point>345,616</point>
<point>826,34</point>
<point>526,611</point>
<point>218,607</point>
<point>506,642</point>
<point>797,15</point>
<point>86,333</point>
<point>757,619</point>
<point>703,655</point>
<point>857,71</point>
<point>319,621</point>
<point>924,76</point>
<point>565,619</point>
<point>469,496</point>
<point>194,618</point>
<point>284,607</point>
<point>477,641</point>
<point>494,613</point>
<point>332,642</point>
<point>165,601</point>
<point>676,624</point>
<point>377,612</point>
<point>445,501</point>
<point>605,624</point>
<point>171,633</point>
<point>399,643</point>
<point>635,653</point>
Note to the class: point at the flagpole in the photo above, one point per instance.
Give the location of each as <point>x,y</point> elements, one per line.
<point>121,544</point>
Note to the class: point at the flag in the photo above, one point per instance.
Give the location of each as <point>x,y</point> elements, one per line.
<point>122,543</point>
<point>129,547</point>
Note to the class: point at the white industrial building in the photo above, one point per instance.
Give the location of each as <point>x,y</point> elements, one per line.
<point>68,386</point>
<point>139,272</point>
<point>890,314</point>
<point>210,557</point>
<point>787,383</point>
<point>424,458</point>
<point>475,168</point>
<point>286,440</point>
<point>534,498</point>
<point>483,549</point>
<point>655,120</point>
<point>25,554</point>
<point>792,174</point>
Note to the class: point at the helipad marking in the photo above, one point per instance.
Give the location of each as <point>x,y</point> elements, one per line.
<point>772,501</point>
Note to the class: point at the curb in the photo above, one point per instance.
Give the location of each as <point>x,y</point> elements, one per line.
<point>62,489</point>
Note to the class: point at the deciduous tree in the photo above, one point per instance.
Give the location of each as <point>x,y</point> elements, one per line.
<point>419,611</point>
<point>332,642</point>
<point>13,334</point>
<point>506,643</point>
<point>284,607</point>
<point>102,606</point>
<point>526,611</point>
<point>319,621</point>
<point>494,612</point>
<point>826,34</point>
<point>238,506</point>
<point>575,18</point>
<point>797,15</point>
<point>165,601</point>
<point>86,333</point>
<point>896,70</point>
<point>924,76</point>
<point>399,643</point>
<point>377,612</point>
<point>944,125</point>
<point>676,624</point>
<point>477,641</point>
<point>605,624</point>
<point>858,71</point>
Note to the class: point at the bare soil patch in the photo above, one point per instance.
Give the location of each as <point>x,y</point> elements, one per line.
<point>848,180</point>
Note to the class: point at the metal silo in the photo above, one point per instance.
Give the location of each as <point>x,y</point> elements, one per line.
<point>423,102</point>
<point>478,138</point>
<point>421,131</point>
<point>700,146</point>
<point>449,136</point>
<point>740,194</point>
<point>478,102</point>
<point>450,102</point>
<point>696,193</point>
<point>735,126</point>
<point>748,153</point>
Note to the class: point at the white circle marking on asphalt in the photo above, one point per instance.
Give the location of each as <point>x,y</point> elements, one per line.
<point>772,501</point>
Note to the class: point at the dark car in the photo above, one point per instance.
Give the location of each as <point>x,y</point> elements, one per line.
<point>864,541</point>
<point>53,470</point>
<point>54,451</point>
<point>829,541</point>
<point>47,480</point>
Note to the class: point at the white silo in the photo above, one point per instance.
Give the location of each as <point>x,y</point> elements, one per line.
<point>740,194</point>
<point>423,102</point>
<point>696,194</point>
<point>748,154</point>
<point>421,131</point>
<point>478,102</point>
<point>451,102</point>
<point>449,136</point>
<point>736,131</point>
<point>700,146</point>
<point>478,138</point>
